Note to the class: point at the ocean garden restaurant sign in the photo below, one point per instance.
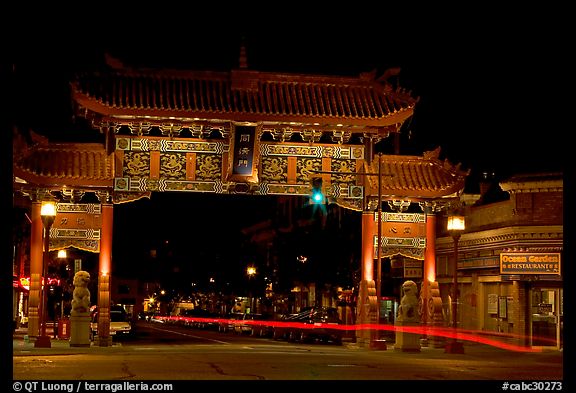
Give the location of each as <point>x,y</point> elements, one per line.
<point>529,263</point>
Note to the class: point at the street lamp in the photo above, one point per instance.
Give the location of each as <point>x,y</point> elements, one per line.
<point>48,214</point>
<point>62,255</point>
<point>456,225</point>
<point>379,256</point>
<point>251,272</point>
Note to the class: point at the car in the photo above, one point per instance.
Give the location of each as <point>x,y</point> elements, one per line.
<point>227,323</point>
<point>253,324</point>
<point>285,328</point>
<point>120,324</point>
<point>322,324</point>
<point>200,319</point>
<point>311,325</point>
<point>262,326</point>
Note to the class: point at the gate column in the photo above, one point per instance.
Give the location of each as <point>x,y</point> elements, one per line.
<point>366,302</point>
<point>36,261</point>
<point>104,273</point>
<point>430,300</point>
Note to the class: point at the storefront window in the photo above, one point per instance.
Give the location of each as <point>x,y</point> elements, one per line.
<point>547,316</point>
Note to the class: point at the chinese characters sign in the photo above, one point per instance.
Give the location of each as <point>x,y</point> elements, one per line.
<point>243,158</point>
<point>402,233</point>
<point>77,225</point>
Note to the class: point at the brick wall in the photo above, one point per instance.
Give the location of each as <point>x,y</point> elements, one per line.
<point>543,208</point>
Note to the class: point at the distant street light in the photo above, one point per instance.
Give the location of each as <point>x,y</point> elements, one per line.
<point>456,225</point>
<point>250,271</point>
<point>48,214</point>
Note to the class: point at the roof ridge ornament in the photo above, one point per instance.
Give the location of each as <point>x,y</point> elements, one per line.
<point>432,154</point>
<point>390,72</point>
<point>243,60</point>
<point>113,62</point>
<point>369,75</point>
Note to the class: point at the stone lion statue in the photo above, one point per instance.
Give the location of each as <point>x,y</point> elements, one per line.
<point>81,294</point>
<point>409,309</point>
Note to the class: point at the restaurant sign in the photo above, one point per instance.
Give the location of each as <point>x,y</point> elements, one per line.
<point>529,263</point>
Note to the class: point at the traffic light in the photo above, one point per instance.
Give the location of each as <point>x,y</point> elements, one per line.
<point>317,196</point>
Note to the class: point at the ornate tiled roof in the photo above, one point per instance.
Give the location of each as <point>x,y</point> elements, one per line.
<point>415,176</point>
<point>242,95</point>
<point>64,164</point>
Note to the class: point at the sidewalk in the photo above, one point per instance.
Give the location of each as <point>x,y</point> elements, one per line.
<point>23,345</point>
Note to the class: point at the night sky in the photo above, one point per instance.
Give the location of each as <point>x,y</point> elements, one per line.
<point>482,78</point>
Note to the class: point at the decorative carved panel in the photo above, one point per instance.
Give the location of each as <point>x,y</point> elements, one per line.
<point>247,165</point>
<point>77,225</point>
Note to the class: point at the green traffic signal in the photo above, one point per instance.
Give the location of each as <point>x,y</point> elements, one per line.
<point>317,196</point>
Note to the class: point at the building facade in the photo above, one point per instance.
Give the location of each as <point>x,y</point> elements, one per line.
<point>510,279</point>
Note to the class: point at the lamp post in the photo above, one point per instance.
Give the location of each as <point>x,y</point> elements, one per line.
<point>62,255</point>
<point>379,256</point>
<point>251,272</point>
<point>48,214</point>
<point>456,224</point>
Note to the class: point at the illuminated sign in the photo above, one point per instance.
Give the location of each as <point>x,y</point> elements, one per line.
<point>244,149</point>
<point>413,269</point>
<point>402,233</point>
<point>77,225</point>
<point>25,282</point>
<point>529,263</point>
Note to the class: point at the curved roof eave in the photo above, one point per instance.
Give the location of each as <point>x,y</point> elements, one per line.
<point>56,165</point>
<point>185,116</point>
<point>424,177</point>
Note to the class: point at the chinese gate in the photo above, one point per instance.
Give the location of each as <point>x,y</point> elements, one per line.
<point>242,132</point>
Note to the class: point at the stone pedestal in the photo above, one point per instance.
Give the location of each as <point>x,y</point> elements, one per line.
<point>407,342</point>
<point>366,314</point>
<point>80,329</point>
<point>437,341</point>
<point>104,341</point>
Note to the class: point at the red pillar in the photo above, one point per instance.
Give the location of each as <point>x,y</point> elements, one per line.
<point>105,263</point>
<point>430,253</point>
<point>366,302</point>
<point>429,264</point>
<point>368,246</point>
<point>430,293</point>
<point>36,260</point>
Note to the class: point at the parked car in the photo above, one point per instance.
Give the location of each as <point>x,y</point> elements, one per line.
<point>227,323</point>
<point>287,326</point>
<point>120,324</point>
<point>200,319</point>
<point>322,324</point>
<point>315,324</point>
<point>262,326</point>
<point>253,324</point>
